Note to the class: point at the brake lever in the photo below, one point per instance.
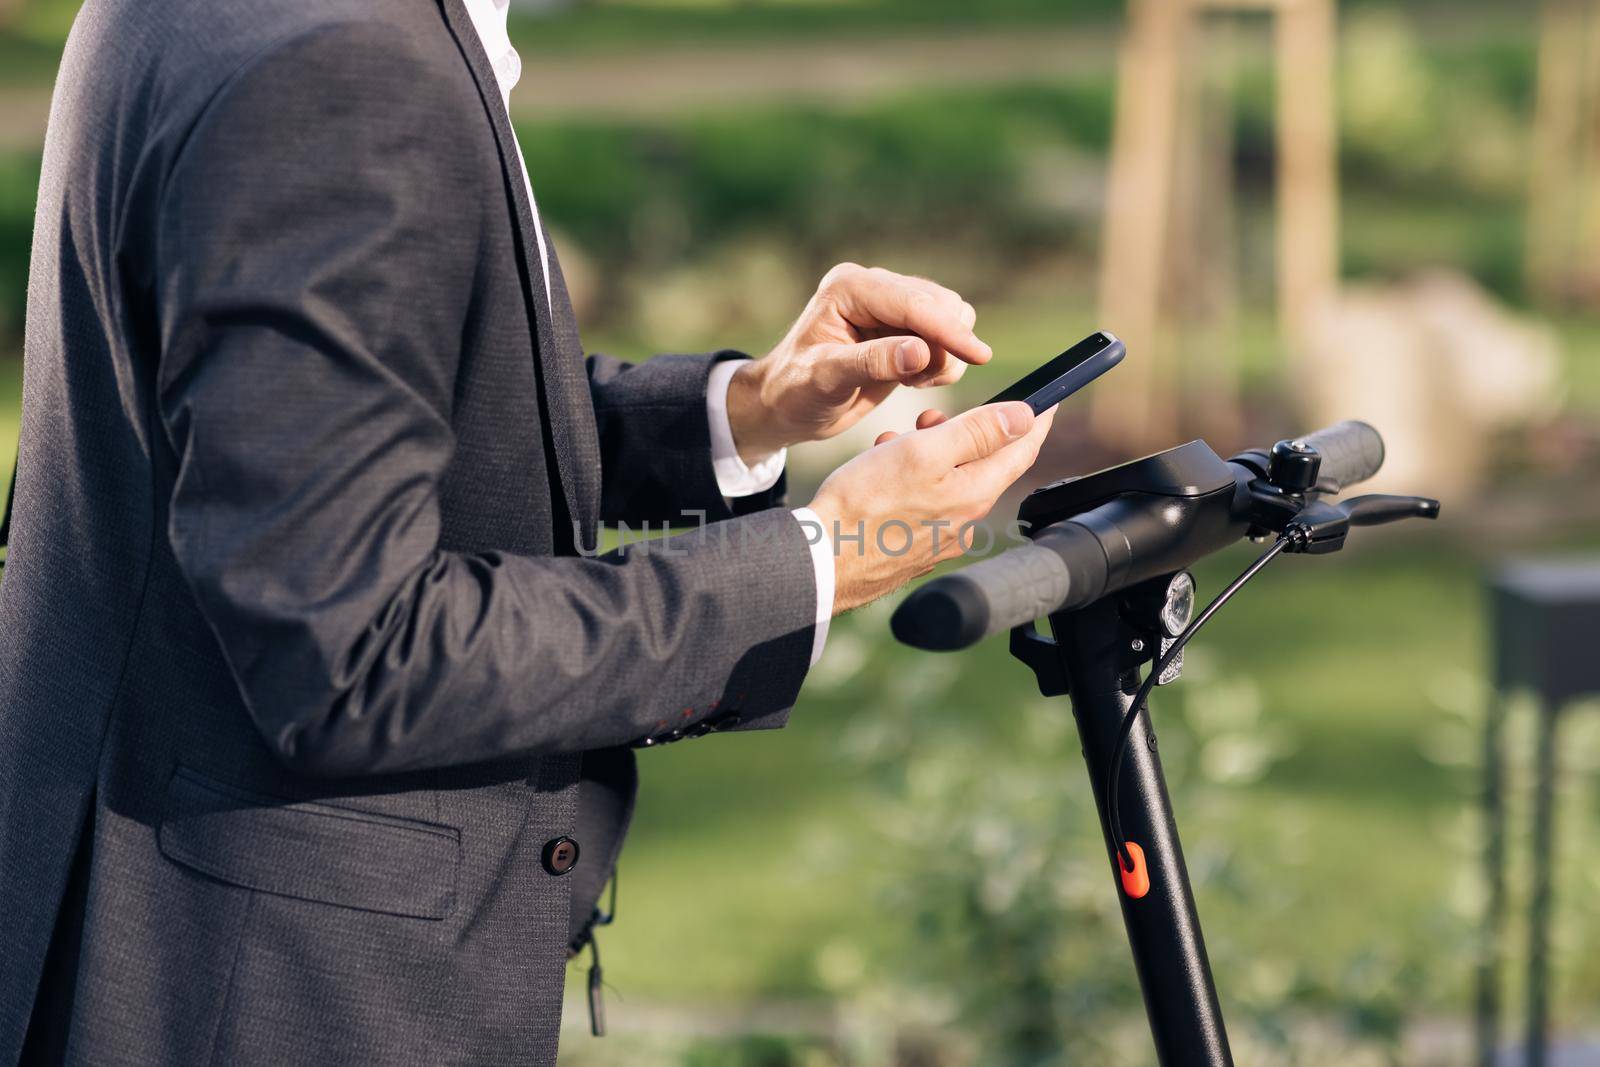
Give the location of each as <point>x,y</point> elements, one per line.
<point>1321,527</point>
<point>1377,509</point>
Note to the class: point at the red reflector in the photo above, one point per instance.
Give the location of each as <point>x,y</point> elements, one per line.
<point>1135,883</point>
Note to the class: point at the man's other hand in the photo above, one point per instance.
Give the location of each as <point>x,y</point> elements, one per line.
<point>865,331</point>
<point>898,509</point>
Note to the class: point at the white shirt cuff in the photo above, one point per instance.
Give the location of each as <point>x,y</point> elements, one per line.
<point>822,564</point>
<point>734,476</point>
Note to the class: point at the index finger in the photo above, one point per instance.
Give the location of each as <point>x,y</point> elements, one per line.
<point>949,297</point>
<point>873,301</point>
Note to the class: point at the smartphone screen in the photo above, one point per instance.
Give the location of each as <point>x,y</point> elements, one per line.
<point>1067,373</point>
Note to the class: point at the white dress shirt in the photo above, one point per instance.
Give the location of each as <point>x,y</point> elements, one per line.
<point>735,478</point>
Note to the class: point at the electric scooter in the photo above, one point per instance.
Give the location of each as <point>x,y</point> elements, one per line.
<point>1107,561</point>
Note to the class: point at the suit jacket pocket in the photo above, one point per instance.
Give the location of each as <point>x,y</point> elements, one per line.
<point>310,851</point>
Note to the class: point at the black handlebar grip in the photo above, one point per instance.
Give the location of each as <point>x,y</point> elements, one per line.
<point>1065,566</point>
<point>1351,452</point>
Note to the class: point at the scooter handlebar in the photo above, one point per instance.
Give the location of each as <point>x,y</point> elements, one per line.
<point>1074,562</point>
<point>1064,567</point>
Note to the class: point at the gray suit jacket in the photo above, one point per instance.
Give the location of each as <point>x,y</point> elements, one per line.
<point>299,673</point>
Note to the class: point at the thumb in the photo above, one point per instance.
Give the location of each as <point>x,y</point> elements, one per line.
<point>883,359</point>
<point>980,432</point>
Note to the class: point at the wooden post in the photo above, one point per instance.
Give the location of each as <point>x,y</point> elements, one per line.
<point>1169,198</point>
<point>1587,266</point>
<point>1203,284</point>
<point>1557,125</point>
<point>1138,199</point>
<point>1563,242</point>
<point>1308,171</point>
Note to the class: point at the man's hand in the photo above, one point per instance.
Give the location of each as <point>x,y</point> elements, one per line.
<point>909,497</point>
<point>863,333</point>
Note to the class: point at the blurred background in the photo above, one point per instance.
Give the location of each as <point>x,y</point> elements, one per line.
<point>1294,212</point>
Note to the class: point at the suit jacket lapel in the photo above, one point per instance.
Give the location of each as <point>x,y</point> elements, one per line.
<point>558,353</point>
<point>570,390</point>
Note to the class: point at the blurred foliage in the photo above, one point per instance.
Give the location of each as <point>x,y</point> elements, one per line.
<point>658,1050</point>
<point>1433,146</point>
<point>19,184</point>
<point>923,828</point>
<point>29,48</point>
<point>1442,135</point>
<point>1003,876</point>
<point>948,166</point>
<point>598,26</point>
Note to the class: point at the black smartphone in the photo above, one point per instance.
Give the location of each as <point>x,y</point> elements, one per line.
<point>1067,373</point>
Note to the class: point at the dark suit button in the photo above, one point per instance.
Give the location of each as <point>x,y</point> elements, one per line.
<point>560,855</point>
<point>700,729</point>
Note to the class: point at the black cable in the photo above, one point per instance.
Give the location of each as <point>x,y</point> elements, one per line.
<point>1162,662</point>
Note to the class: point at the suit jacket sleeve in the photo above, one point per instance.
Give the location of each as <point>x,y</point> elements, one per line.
<point>655,443</point>
<point>314,269</point>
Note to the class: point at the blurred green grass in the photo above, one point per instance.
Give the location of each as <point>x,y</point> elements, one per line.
<point>10,418</point>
